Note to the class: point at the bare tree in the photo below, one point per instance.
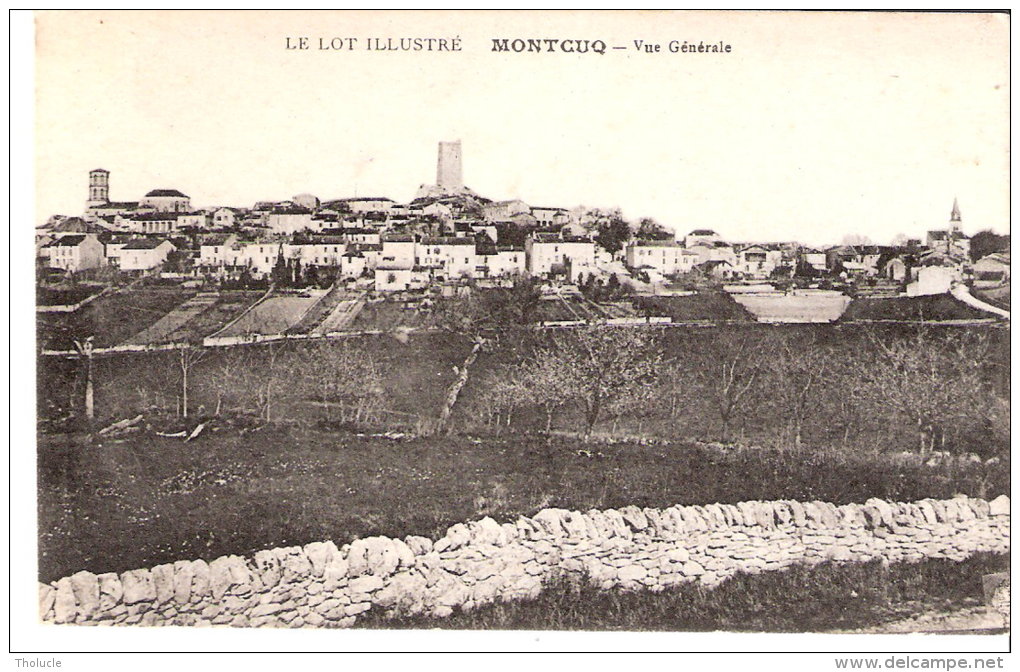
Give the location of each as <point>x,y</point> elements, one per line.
<point>484,317</point>
<point>342,373</point>
<point>597,366</point>
<point>503,394</point>
<point>539,382</point>
<point>260,380</point>
<point>849,393</point>
<point>187,357</point>
<point>732,367</point>
<point>797,371</point>
<point>85,352</point>
<point>225,377</point>
<point>936,382</point>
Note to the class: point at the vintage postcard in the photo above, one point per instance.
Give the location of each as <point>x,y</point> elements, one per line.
<point>523,323</point>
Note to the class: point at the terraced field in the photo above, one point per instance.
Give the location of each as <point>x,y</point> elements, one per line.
<point>228,306</point>
<point>171,323</point>
<point>318,312</point>
<point>615,310</point>
<point>342,316</point>
<point>111,319</point>
<point>386,315</point>
<point>932,308</point>
<point>997,296</point>
<point>63,296</point>
<point>196,318</point>
<point>273,316</point>
<point>700,307</point>
<point>556,309</point>
<point>798,307</point>
<point>336,311</point>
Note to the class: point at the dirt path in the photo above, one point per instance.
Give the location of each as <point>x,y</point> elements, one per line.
<point>963,294</point>
<point>968,620</point>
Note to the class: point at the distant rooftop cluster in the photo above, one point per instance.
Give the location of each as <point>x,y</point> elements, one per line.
<point>446,233</point>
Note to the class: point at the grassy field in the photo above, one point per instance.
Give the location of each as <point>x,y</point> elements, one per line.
<point>318,312</point>
<point>229,304</point>
<point>556,309</point>
<point>705,305</point>
<point>800,599</point>
<point>929,308</point>
<point>63,296</point>
<point>111,505</point>
<point>813,306</point>
<point>386,316</point>
<point>272,316</point>
<point>998,296</point>
<point>174,322</point>
<point>111,319</point>
<point>414,374</point>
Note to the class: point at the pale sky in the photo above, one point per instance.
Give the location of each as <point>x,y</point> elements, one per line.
<point>815,126</point>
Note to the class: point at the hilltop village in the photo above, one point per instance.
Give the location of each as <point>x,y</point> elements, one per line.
<point>450,237</point>
<point>231,383</point>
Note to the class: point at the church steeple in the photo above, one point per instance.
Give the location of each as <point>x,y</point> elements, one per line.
<point>955,216</point>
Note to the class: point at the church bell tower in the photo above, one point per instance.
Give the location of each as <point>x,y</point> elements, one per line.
<point>99,187</point>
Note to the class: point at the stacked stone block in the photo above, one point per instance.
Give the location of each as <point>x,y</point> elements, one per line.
<point>476,563</point>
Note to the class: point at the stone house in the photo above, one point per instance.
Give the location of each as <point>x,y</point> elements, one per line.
<point>552,253</point>
<point>288,220</point>
<point>142,254</point>
<point>666,257</point>
<point>447,258</point>
<point>74,252</point>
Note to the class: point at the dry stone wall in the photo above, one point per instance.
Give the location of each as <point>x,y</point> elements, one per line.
<point>321,585</point>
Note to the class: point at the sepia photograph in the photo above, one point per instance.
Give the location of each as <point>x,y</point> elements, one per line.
<point>693,324</point>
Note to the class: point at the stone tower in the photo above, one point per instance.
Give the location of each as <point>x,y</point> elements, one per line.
<point>99,187</point>
<point>448,173</point>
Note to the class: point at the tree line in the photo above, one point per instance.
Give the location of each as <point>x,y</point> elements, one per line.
<point>924,391</point>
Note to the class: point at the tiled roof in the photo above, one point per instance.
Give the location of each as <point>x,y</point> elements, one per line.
<point>75,225</point>
<point>165,193</point>
<point>1001,257</point>
<point>291,211</point>
<point>117,205</point>
<point>144,244</point>
<point>66,241</point>
<point>448,240</point>
<point>155,217</point>
<point>656,243</point>
<point>358,199</point>
<point>215,240</point>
